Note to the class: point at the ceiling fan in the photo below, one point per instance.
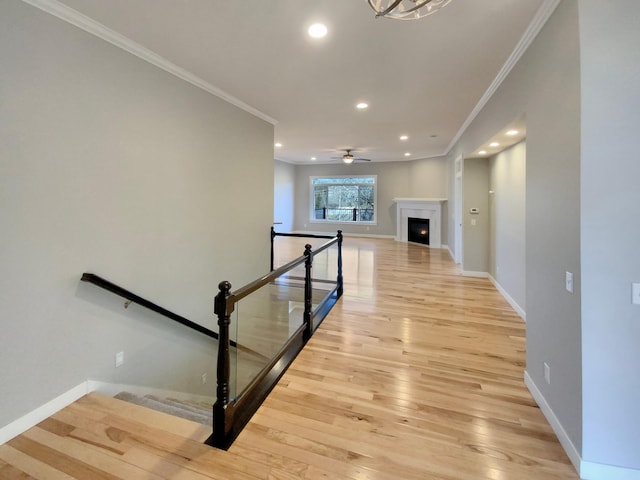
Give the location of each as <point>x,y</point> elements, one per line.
<point>348,157</point>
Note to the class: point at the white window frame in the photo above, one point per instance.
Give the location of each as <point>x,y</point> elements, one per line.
<point>312,218</point>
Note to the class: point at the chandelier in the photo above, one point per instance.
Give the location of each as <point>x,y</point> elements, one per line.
<point>406,9</point>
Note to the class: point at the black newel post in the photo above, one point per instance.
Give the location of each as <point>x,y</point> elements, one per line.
<point>339,263</point>
<point>355,214</point>
<point>307,292</point>
<point>273,236</point>
<point>223,308</point>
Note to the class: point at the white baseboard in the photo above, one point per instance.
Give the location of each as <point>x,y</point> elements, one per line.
<point>368,235</point>
<point>519,310</point>
<point>470,273</point>
<point>453,257</point>
<point>43,412</point>
<point>587,470</point>
<point>557,427</point>
<point>344,234</point>
<point>600,471</point>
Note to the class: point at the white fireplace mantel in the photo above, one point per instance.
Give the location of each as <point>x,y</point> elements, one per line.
<point>427,208</point>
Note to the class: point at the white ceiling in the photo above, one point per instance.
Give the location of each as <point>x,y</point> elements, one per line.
<point>421,78</point>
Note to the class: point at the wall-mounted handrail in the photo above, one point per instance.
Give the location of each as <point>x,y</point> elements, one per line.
<point>230,415</point>
<point>132,297</point>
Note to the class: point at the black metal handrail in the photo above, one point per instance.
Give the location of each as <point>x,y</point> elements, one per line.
<point>231,415</point>
<point>275,234</point>
<point>133,298</point>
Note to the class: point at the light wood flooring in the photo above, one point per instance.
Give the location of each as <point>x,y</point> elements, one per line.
<point>417,373</point>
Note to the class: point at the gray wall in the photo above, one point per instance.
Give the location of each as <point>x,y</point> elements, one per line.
<point>112,166</point>
<point>419,178</point>
<point>507,222</point>
<point>610,230</point>
<point>475,257</point>
<point>284,195</point>
<point>545,85</point>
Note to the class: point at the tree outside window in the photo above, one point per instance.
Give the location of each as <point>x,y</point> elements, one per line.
<point>344,199</point>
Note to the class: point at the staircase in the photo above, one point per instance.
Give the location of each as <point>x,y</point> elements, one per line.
<point>190,410</point>
<point>104,438</point>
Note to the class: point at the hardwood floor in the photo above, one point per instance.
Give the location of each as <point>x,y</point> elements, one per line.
<point>417,373</point>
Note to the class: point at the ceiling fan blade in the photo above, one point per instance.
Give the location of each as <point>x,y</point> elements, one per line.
<point>362,159</point>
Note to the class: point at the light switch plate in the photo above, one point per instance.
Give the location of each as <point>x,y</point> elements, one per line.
<point>635,293</point>
<point>568,282</point>
<point>119,359</point>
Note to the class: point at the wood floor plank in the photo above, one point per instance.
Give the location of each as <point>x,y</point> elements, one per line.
<point>416,373</point>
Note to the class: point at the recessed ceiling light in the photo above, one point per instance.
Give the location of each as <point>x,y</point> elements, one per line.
<point>482,152</point>
<point>494,144</point>
<point>407,154</point>
<point>404,137</point>
<point>362,106</point>
<point>277,145</point>
<point>313,158</point>
<point>317,30</point>
<point>512,132</point>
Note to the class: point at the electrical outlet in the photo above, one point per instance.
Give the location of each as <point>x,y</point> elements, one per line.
<point>547,373</point>
<point>635,293</point>
<point>568,281</point>
<point>204,378</point>
<point>119,359</point>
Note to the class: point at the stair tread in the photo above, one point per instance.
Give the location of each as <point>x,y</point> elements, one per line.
<point>182,427</point>
<point>172,406</point>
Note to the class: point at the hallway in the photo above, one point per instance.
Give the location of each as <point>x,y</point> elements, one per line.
<point>416,373</point>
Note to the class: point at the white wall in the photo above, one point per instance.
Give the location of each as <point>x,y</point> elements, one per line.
<point>610,231</point>
<point>284,195</point>
<point>112,166</point>
<point>507,212</point>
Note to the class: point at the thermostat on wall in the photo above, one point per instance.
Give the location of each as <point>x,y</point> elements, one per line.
<point>474,210</point>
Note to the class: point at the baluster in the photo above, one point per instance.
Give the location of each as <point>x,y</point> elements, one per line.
<point>223,307</point>
<point>307,292</point>
<point>273,236</point>
<point>340,280</point>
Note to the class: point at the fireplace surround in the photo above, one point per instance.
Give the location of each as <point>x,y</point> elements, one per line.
<point>423,208</point>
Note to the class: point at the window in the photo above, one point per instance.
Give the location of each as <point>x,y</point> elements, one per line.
<point>344,199</point>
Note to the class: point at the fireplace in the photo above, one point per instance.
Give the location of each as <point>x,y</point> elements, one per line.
<point>421,208</point>
<point>418,230</point>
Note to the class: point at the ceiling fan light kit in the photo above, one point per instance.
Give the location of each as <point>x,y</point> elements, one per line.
<point>348,157</point>
<point>406,9</point>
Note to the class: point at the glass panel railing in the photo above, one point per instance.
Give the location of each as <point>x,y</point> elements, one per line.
<point>258,329</point>
<point>324,281</point>
<point>266,320</point>
<point>288,248</point>
<point>235,360</point>
<point>276,316</point>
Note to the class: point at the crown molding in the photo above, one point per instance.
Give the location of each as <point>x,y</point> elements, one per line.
<point>69,15</point>
<point>542,15</point>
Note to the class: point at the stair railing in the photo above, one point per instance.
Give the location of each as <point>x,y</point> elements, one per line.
<point>230,415</point>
